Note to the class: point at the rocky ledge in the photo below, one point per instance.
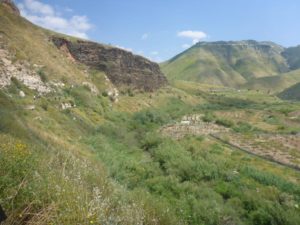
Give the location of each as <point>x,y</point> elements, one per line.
<point>122,67</point>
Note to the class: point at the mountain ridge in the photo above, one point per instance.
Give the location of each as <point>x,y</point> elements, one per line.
<point>229,63</point>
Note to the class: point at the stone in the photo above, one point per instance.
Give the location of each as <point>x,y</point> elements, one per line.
<point>30,107</point>
<point>66,105</point>
<point>92,87</point>
<point>22,94</point>
<point>20,70</point>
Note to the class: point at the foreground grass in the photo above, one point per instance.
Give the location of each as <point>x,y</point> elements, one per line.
<point>102,164</point>
<point>112,167</point>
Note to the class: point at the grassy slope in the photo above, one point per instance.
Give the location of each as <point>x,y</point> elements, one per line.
<point>226,63</point>
<point>19,32</point>
<point>106,164</point>
<point>292,93</point>
<point>274,84</point>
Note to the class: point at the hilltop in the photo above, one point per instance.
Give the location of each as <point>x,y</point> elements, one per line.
<point>240,64</point>
<point>227,63</point>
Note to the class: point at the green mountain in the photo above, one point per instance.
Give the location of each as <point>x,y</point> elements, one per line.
<point>227,63</point>
<point>291,93</point>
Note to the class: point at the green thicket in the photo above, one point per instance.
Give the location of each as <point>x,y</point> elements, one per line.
<point>125,172</point>
<point>195,182</point>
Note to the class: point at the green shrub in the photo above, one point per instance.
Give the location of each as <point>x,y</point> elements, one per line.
<point>42,75</point>
<point>151,141</point>
<point>224,122</point>
<point>208,117</point>
<point>149,118</point>
<point>104,94</point>
<point>243,127</point>
<point>269,179</point>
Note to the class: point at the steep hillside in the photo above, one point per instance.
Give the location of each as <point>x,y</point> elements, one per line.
<point>122,67</point>
<point>292,56</point>
<point>291,93</point>
<point>226,63</point>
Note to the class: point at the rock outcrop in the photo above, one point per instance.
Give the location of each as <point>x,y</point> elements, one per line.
<point>20,70</point>
<point>122,67</point>
<point>11,5</point>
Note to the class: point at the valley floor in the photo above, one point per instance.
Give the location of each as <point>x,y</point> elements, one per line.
<point>110,164</point>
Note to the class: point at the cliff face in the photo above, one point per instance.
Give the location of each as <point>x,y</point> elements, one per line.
<point>121,67</point>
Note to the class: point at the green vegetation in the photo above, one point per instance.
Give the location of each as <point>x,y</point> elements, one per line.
<point>123,168</point>
<point>42,75</point>
<point>261,66</point>
<point>99,162</point>
<point>292,93</point>
<point>224,122</point>
<point>274,84</point>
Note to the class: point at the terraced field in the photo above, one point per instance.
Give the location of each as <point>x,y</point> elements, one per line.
<point>283,149</point>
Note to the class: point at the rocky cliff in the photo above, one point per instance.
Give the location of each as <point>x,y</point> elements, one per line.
<point>122,67</point>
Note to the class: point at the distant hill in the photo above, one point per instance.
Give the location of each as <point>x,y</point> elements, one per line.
<point>292,56</point>
<point>230,63</point>
<point>292,93</point>
<point>274,84</point>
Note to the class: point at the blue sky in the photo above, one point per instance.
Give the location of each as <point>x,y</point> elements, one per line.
<point>160,29</point>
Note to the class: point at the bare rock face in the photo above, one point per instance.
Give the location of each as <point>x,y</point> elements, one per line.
<point>121,67</point>
<point>11,5</point>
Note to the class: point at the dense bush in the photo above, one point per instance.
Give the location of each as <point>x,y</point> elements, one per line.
<point>224,122</point>
<point>42,75</point>
<point>208,117</point>
<point>148,178</point>
<point>243,127</point>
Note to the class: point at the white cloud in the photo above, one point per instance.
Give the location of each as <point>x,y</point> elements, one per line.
<point>186,46</point>
<point>156,59</point>
<point>67,9</point>
<point>154,53</point>
<point>145,36</point>
<point>124,48</point>
<point>38,7</point>
<point>196,36</point>
<point>44,15</point>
